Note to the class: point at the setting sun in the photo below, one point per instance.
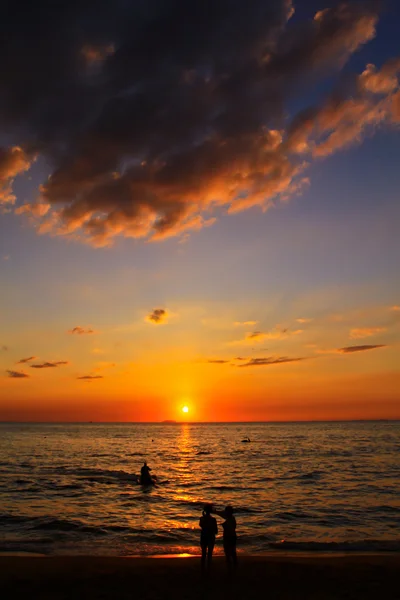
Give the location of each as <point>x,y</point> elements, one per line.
<point>185,409</point>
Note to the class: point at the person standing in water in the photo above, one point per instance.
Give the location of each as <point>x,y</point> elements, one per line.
<point>209,530</point>
<point>230,537</point>
<point>145,477</point>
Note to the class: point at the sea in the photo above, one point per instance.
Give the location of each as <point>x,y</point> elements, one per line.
<point>72,489</point>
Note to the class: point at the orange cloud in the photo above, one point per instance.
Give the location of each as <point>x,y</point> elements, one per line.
<point>303,320</point>
<point>13,161</point>
<point>245,323</point>
<point>25,360</point>
<point>270,360</point>
<point>90,377</point>
<point>351,349</point>
<point>81,330</point>
<point>16,374</point>
<point>363,332</point>
<point>395,308</point>
<point>259,336</point>
<point>157,316</point>
<point>156,163</point>
<point>49,365</point>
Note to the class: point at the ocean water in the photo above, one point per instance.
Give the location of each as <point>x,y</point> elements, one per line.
<point>72,488</point>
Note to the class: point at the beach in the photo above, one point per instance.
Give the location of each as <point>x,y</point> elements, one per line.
<point>276,576</point>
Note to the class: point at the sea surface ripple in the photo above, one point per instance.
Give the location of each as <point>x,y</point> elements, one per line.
<point>72,488</point>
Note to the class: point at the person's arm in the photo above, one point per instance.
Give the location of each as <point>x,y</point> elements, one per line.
<point>215,527</point>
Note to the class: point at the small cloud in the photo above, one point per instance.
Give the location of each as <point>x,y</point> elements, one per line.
<point>364,332</point>
<point>277,333</point>
<point>4,348</point>
<point>81,330</point>
<point>157,316</point>
<point>16,374</point>
<point>25,360</point>
<point>303,320</point>
<point>240,358</point>
<point>49,365</point>
<point>217,361</point>
<point>351,349</point>
<point>245,323</point>
<point>270,360</point>
<point>395,308</point>
<point>90,377</point>
<point>6,257</point>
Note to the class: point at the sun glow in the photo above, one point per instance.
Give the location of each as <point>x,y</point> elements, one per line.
<point>185,409</point>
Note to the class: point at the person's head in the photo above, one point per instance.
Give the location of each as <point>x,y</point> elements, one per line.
<point>229,510</point>
<point>207,509</point>
<point>145,463</point>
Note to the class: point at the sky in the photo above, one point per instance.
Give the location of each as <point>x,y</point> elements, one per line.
<point>199,207</point>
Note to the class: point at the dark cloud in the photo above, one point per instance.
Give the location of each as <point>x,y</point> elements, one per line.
<point>217,361</point>
<point>157,316</point>
<point>81,330</point>
<point>351,349</point>
<point>49,365</point>
<point>152,113</point>
<point>16,374</point>
<point>90,377</point>
<point>270,360</point>
<point>4,348</point>
<point>25,360</point>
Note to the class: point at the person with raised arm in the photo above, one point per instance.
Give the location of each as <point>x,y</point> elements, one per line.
<point>229,537</point>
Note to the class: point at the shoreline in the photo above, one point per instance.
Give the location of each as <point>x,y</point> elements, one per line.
<point>273,554</point>
<point>280,576</point>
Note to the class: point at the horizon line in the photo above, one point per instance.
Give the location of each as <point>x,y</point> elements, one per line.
<point>175,422</point>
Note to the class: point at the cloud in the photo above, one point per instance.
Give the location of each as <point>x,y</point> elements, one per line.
<point>351,349</point>
<point>26,360</point>
<point>6,257</point>
<point>303,320</point>
<point>395,308</point>
<point>270,360</point>
<point>13,161</point>
<point>245,323</point>
<point>364,332</point>
<point>4,348</point>
<point>153,114</point>
<point>49,365</point>
<point>217,361</point>
<point>90,377</point>
<point>278,333</point>
<point>81,330</point>
<point>157,316</point>
<point>16,374</point>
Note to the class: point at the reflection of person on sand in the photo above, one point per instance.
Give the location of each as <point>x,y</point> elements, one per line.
<point>209,530</point>
<point>145,477</point>
<point>229,538</point>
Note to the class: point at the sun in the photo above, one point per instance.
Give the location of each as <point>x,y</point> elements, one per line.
<point>185,409</point>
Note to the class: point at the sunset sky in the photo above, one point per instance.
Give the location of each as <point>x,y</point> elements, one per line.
<point>199,206</point>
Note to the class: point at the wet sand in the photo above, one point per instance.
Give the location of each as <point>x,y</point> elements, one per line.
<point>276,577</point>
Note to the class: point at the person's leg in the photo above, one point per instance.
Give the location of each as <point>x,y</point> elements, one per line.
<point>203,557</point>
<point>227,555</point>
<point>234,555</point>
<point>210,553</point>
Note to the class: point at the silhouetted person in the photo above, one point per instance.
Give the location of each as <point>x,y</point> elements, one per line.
<point>229,538</point>
<point>209,530</point>
<point>145,477</point>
